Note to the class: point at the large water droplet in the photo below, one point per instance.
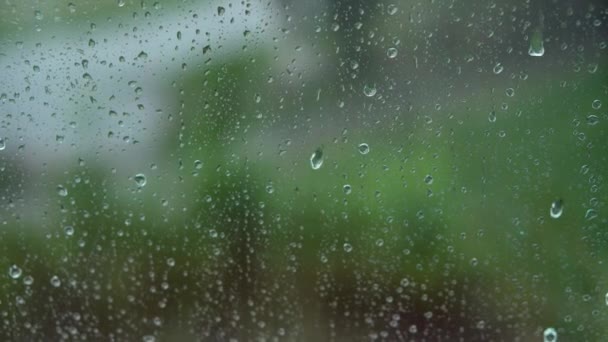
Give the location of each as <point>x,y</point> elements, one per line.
<point>363,148</point>
<point>557,208</point>
<point>536,48</point>
<point>316,160</point>
<point>14,271</point>
<point>369,90</point>
<point>550,335</point>
<point>140,179</point>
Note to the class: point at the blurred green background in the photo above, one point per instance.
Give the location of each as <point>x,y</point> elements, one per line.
<point>157,181</point>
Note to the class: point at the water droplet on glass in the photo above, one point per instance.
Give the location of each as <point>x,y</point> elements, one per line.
<point>347,247</point>
<point>120,3</point>
<point>391,9</point>
<point>14,271</point>
<point>590,214</point>
<point>363,148</point>
<point>198,164</point>
<point>550,335</point>
<point>428,179</point>
<point>557,208</point>
<point>28,280</point>
<point>55,281</point>
<point>220,10</point>
<point>498,68</point>
<point>316,160</point>
<point>536,48</point>
<point>369,90</point>
<point>140,179</point>
<point>347,189</point>
<point>2,145</point>
<point>170,262</point>
<point>510,92</point>
<point>392,52</point>
<point>62,191</point>
<point>69,230</point>
<point>596,104</point>
<point>592,120</point>
<point>492,116</point>
<point>269,188</point>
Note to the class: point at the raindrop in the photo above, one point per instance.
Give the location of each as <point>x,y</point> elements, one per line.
<point>392,9</point>
<point>369,90</point>
<point>55,281</point>
<point>347,247</point>
<point>428,179</point>
<point>14,271</point>
<point>550,335</point>
<point>392,52</point>
<point>198,164</point>
<point>363,148</point>
<point>221,10</point>
<point>557,208</point>
<point>120,3</point>
<point>62,191</point>
<point>590,214</point>
<point>2,144</point>
<point>510,92</point>
<point>492,116</point>
<point>316,160</point>
<point>596,104</point>
<point>498,68</point>
<point>347,189</point>
<point>69,230</point>
<point>536,48</point>
<point>28,280</point>
<point>592,120</point>
<point>140,179</point>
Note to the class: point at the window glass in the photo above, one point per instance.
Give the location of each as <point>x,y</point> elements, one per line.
<point>281,170</point>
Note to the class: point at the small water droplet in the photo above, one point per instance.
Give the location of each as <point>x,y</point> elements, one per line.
<point>221,10</point>
<point>391,9</point>
<point>198,164</point>
<point>55,281</point>
<point>170,262</point>
<point>120,3</point>
<point>14,271</point>
<point>363,148</point>
<point>557,208</point>
<point>62,191</point>
<point>316,160</point>
<point>2,145</point>
<point>347,189</point>
<point>492,116</point>
<point>596,104</point>
<point>392,52</point>
<point>592,120</point>
<point>369,90</point>
<point>28,280</point>
<point>428,179</point>
<point>347,247</point>
<point>590,214</point>
<point>550,335</point>
<point>269,188</point>
<point>510,92</point>
<point>140,179</point>
<point>498,68</point>
<point>69,230</point>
